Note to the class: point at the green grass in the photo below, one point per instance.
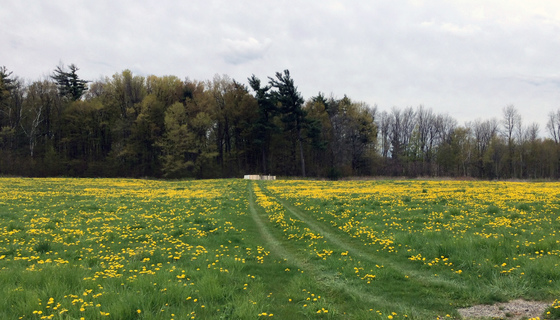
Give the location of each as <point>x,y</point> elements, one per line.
<point>233,249</point>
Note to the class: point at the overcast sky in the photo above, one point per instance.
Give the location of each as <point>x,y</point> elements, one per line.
<point>467,58</point>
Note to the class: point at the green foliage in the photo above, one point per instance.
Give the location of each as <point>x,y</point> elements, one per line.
<point>126,249</point>
<point>493,209</point>
<point>289,100</point>
<point>42,247</point>
<point>290,105</point>
<point>264,127</point>
<point>68,83</point>
<point>117,126</point>
<point>6,84</point>
<point>185,144</point>
<point>553,312</point>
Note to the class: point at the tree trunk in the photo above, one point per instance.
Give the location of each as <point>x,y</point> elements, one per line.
<point>301,154</point>
<point>264,160</point>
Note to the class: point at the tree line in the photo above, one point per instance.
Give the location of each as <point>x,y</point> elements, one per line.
<point>128,125</point>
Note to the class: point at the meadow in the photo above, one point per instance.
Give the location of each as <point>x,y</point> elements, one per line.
<point>238,249</point>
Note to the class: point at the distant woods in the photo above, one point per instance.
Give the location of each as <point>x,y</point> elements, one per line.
<point>134,126</point>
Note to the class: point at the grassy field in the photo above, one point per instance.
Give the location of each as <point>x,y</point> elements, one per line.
<point>235,249</point>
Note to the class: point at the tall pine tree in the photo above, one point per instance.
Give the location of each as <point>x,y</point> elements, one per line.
<point>290,104</point>
<point>264,126</point>
<point>68,83</point>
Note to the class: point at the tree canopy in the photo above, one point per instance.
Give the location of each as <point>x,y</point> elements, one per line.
<point>68,83</point>
<point>161,126</point>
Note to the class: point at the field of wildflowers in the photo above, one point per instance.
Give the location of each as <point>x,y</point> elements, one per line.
<point>235,249</point>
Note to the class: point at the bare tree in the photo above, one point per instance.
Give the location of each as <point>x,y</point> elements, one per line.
<point>532,132</point>
<point>426,129</point>
<point>396,133</point>
<point>408,124</point>
<point>483,133</point>
<point>512,133</point>
<point>553,125</point>
<point>34,110</point>
<point>402,127</point>
<point>445,125</point>
<point>384,127</point>
<point>512,122</point>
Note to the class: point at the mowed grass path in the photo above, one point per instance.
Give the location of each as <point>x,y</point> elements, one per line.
<point>235,249</point>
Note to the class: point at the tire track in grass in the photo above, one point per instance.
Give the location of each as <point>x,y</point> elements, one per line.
<point>326,279</point>
<point>275,244</point>
<point>422,278</point>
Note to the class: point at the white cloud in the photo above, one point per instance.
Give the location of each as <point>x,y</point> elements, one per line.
<point>467,30</point>
<point>462,56</point>
<point>240,51</point>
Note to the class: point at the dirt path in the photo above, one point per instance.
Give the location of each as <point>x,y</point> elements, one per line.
<point>513,310</point>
